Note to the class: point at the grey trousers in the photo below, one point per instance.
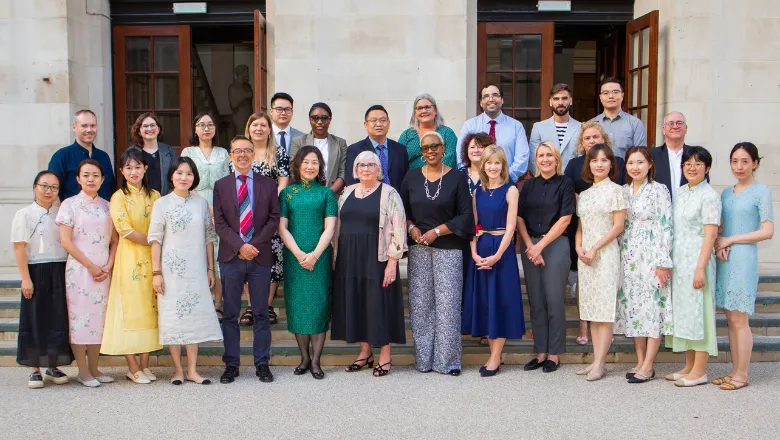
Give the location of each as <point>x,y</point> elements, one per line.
<point>435,291</point>
<point>546,287</point>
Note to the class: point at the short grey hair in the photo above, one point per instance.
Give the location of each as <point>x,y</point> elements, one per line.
<point>675,111</point>
<point>414,123</point>
<point>368,156</point>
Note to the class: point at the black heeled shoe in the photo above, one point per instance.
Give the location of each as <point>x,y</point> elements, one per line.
<point>484,372</point>
<point>379,371</point>
<point>357,367</point>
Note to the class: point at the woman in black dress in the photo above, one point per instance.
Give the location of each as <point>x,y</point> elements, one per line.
<point>368,305</point>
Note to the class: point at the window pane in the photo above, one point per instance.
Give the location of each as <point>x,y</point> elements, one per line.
<point>499,52</point>
<point>643,116</point>
<point>634,59</point>
<point>504,82</point>
<point>166,92</point>
<point>130,121</point>
<point>645,46</point>
<point>645,86</point>
<point>528,89</point>
<point>137,54</point>
<point>171,132</point>
<point>138,92</point>
<point>634,99</point>
<point>166,54</point>
<point>528,52</point>
<point>528,118</point>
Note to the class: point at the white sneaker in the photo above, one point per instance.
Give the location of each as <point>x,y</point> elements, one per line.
<point>148,373</point>
<point>138,377</point>
<point>92,383</point>
<point>104,379</point>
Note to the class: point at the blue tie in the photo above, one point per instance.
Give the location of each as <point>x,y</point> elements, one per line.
<point>282,142</point>
<point>383,161</point>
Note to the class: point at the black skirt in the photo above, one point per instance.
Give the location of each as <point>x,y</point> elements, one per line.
<point>43,319</point>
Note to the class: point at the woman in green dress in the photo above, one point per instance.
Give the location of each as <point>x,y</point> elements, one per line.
<point>307,223</point>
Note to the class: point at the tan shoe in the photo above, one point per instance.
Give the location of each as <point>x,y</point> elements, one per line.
<point>148,373</point>
<point>674,376</point>
<point>138,377</point>
<point>683,382</point>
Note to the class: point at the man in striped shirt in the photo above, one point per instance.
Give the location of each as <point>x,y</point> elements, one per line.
<point>561,129</point>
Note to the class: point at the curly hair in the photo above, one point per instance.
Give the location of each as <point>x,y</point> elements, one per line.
<point>135,131</point>
<point>483,139</point>
<point>588,125</point>
<point>295,164</point>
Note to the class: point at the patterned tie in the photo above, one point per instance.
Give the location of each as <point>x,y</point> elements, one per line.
<point>492,129</point>
<point>244,210</point>
<point>282,142</point>
<point>383,161</point>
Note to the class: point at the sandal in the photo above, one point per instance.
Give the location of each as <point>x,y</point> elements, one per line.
<point>246,318</point>
<point>631,373</point>
<point>721,380</point>
<point>379,371</point>
<point>357,367</point>
<point>484,340</point>
<point>272,318</point>
<point>733,385</point>
<point>582,340</point>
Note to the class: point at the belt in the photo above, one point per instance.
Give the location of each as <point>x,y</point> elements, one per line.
<point>543,235</point>
<point>491,232</point>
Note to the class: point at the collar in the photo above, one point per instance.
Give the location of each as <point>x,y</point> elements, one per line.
<point>78,146</point>
<point>277,130</point>
<point>485,119</point>
<point>40,209</point>
<point>376,144</point>
<point>621,114</point>
<point>551,179</point>
<point>249,175</point>
<point>87,198</point>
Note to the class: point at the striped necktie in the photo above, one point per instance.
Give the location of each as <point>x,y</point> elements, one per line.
<point>244,210</point>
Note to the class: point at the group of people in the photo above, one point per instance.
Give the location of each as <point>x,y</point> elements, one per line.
<point>165,259</point>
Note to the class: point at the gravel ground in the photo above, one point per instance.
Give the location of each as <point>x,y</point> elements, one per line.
<point>406,404</point>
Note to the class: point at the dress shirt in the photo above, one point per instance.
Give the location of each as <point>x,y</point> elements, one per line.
<point>376,150</point>
<point>510,135</point>
<point>675,168</point>
<point>250,186</point>
<point>287,137</point>
<point>65,162</point>
<point>625,131</point>
<point>544,201</point>
<point>322,145</point>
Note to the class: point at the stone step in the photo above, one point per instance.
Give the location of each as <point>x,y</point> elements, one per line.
<point>765,349</point>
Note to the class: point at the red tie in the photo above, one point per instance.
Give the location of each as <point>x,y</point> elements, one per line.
<point>492,129</point>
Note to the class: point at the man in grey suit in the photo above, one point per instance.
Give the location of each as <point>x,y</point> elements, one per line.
<point>560,130</point>
<point>333,148</point>
<point>281,112</point>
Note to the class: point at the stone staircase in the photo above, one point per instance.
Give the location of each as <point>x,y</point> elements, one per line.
<point>765,325</point>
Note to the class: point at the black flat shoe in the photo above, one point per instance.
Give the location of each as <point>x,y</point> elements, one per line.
<point>230,374</point>
<point>631,373</point>
<point>534,364</point>
<point>264,373</point>
<point>318,375</point>
<point>549,366</point>
<point>484,372</point>
<point>641,378</point>
<point>298,371</point>
<point>177,382</point>
<point>454,372</point>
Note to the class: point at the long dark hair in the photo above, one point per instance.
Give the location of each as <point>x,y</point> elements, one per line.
<point>194,140</point>
<point>295,165</point>
<point>587,174</point>
<point>750,148</point>
<point>133,154</point>
<point>644,151</point>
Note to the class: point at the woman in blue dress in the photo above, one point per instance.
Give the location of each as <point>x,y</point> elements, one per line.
<point>747,219</point>
<point>493,303</point>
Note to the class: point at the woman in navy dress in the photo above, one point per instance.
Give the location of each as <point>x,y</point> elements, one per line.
<point>493,303</point>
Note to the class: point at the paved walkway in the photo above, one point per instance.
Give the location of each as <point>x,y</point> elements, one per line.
<point>405,404</point>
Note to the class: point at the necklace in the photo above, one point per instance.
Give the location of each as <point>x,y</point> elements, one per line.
<point>365,192</point>
<point>491,191</point>
<point>441,177</point>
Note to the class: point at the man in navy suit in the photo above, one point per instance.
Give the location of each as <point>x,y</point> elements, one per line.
<point>668,157</point>
<point>246,215</point>
<point>392,155</point>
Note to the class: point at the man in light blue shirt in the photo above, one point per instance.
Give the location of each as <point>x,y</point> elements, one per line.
<point>508,133</point>
<point>624,130</point>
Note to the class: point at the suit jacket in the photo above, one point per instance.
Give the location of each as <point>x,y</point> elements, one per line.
<point>574,171</point>
<point>396,153</point>
<point>663,173</point>
<point>167,156</point>
<point>295,134</point>
<point>337,154</point>
<point>265,216</point>
<point>546,131</point>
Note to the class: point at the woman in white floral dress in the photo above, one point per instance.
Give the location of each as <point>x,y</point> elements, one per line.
<point>644,308</point>
<point>182,237</point>
<point>602,212</point>
<point>696,220</point>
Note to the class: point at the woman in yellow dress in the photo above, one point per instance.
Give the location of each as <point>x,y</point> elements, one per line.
<point>131,318</point>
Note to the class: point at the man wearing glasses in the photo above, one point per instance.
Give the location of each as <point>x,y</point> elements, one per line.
<point>625,131</point>
<point>281,114</point>
<point>508,133</point>
<point>392,155</point>
<point>668,157</point>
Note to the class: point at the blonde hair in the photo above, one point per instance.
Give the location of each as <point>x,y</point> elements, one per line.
<point>556,154</point>
<point>437,136</point>
<point>270,143</point>
<point>586,126</point>
<point>490,151</point>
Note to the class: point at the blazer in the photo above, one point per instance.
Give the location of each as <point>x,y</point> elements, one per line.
<point>546,131</point>
<point>265,216</point>
<point>337,154</point>
<point>574,171</point>
<point>399,161</point>
<point>663,174</point>
<point>167,156</point>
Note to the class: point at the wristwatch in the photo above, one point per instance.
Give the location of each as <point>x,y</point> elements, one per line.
<point>437,231</point>
<point>409,230</point>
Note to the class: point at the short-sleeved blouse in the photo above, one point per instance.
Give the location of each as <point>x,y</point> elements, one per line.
<point>35,226</point>
<point>544,201</point>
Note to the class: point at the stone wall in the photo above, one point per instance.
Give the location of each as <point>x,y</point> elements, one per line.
<point>59,62</point>
<point>719,64</point>
<point>352,54</point>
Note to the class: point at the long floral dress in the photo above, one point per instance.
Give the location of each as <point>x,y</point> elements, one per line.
<point>131,317</point>
<point>280,169</point>
<point>738,276</point>
<point>186,311</point>
<point>694,309</point>
<point>644,309</point>
<point>599,281</point>
<point>92,228</point>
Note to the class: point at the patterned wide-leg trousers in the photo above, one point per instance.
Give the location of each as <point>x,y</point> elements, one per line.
<point>435,290</point>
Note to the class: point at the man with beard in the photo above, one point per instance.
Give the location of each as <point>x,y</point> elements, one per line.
<point>625,131</point>
<point>561,129</point>
<point>508,133</point>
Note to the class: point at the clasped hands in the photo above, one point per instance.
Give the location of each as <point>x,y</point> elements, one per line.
<point>426,239</point>
<point>307,261</point>
<point>485,263</point>
<point>723,247</point>
<point>247,252</point>
<point>534,254</point>
<point>99,274</point>
<point>587,256</point>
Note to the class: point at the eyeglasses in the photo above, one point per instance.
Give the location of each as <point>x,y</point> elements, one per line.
<point>674,124</point>
<point>149,126</point>
<point>423,108</point>
<point>494,96</point>
<point>430,147</point>
<point>282,109</point>
<point>239,151</point>
<point>366,166</point>
<point>320,118</point>
<point>693,165</point>
<point>47,188</point>
<point>382,121</point>
<point>203,126</point>
<point>611,92</point>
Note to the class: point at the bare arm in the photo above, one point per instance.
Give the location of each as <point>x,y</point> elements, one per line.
<point>326,237</point>
<point>66,237</point>
<point>524,232</point>
<point>766,232</point>
<point>137,238</point>
<point>282,183</point>
<point>556,231</point>
<point>710,234</point>
<point>112,251</point>
<point>21,262</point>
<point>288,239</point>
<point>511,221</point>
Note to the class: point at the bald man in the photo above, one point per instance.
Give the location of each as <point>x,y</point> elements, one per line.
<point>668,157</point>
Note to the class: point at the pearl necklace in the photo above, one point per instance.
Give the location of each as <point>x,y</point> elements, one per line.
<point>441,178</point>
<point>365,192</point>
